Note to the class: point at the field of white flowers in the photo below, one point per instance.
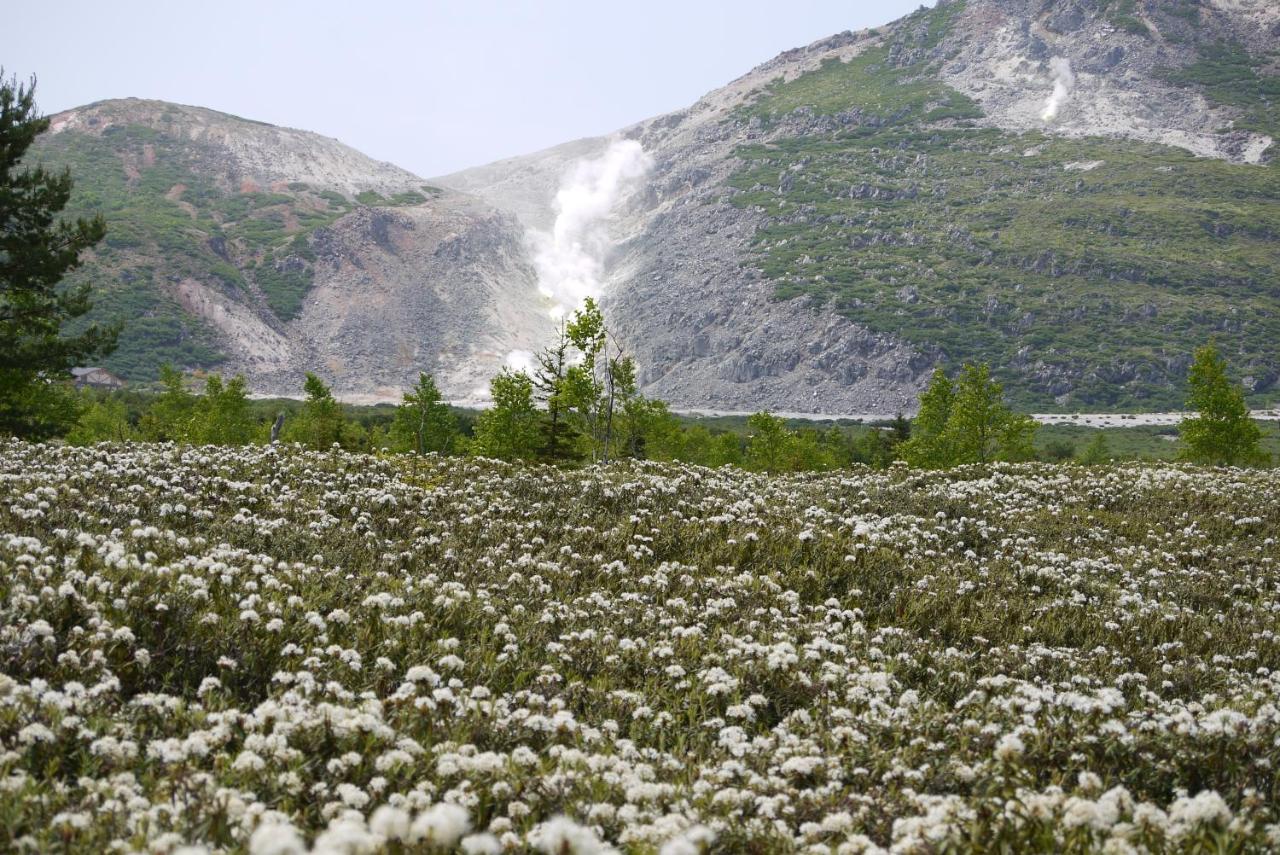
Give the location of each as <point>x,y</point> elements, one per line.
<point>277,652</point>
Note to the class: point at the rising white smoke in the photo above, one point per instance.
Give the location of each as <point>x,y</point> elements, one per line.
<point>520,360</point>
<point>1064,80</point>
<point>570,259</point>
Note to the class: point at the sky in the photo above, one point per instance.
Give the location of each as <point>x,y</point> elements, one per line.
<point>431,86</point>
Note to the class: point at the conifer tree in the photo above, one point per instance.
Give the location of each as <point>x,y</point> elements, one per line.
<point>553,390</point>
<point>37,251</point>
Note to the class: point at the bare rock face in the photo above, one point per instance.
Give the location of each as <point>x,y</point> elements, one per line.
<point>1003,54</point>
<point>705,327</point>
<point>426,288</point>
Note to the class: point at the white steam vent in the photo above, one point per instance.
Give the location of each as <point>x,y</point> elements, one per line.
<point>570,260</point>
<point>1064,80</point>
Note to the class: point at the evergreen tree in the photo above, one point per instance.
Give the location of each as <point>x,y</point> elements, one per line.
<point>876,448</point>
<point>508,430</point>
<point>901,428</point>
<point>1222,432</point>
<point>559,436</point>
<point>1097,451</point>
<point>423,422</point>
<point>37,250</point>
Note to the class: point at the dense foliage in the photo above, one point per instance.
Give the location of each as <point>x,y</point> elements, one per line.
<point>967,421</point>
<point>38,248</point>
<point>1221,432</point>
<point>271,649</point>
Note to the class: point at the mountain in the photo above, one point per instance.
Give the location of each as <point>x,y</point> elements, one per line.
<point>272,252</point>
<point>1076,191</point>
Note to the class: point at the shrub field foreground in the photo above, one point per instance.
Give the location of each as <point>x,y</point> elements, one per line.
<point>277,651</point>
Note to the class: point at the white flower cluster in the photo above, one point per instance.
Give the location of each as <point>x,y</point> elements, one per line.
<point>278,652</point>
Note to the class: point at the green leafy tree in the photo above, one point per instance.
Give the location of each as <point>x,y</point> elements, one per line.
<point>981,427</point>
<point>647,428</point>
<point>222,415</point>
<point>967,421</point>
<point>509,430</point>
<point>103,418</point>
<point>769,444</point>
<point>423,422</point>
<point>584,390</point>
<point>691,444</point>
<point>1222,432</point>
<point>320,422</point>
<point>168,419</point>
<point>601,382</point>
<point>37,251</point>
<point>812,451</point>
<point>928,447</point>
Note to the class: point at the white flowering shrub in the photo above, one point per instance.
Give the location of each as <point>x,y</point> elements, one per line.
<point>278,652</point>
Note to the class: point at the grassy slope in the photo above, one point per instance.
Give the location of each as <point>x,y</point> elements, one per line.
<point>982,243</point>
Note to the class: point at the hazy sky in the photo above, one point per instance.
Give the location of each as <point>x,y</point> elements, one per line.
<point>432,86</point>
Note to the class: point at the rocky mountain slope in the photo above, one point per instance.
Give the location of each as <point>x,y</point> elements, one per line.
<point>1077,191</point>
<point>271,252</point>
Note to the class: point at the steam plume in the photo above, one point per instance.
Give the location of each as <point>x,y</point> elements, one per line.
<point>570,259</point>
<point>1064,80</point>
